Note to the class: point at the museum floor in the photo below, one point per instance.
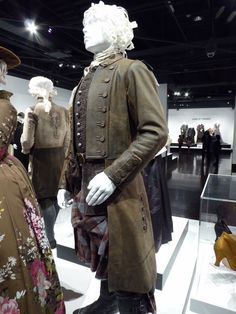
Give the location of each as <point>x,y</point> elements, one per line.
<point>186,181</point>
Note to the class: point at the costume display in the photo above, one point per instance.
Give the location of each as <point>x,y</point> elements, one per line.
<point>24,158</point>
<point>200,132</point>
<point>183,131</point>
<point>46,137</point>
<point>118,126</point>
<point>28,278</point>
<point>190,136</point>
<point>158,197</point>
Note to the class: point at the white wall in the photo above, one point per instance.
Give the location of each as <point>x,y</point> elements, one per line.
<point>162,90</point>
<point>206,116</point>
<point>21,99</point>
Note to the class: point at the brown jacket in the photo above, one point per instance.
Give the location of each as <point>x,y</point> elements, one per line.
<point>126,127</point>
<point>46,137</point>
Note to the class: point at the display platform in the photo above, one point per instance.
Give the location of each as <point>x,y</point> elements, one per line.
<point>165,257</point>
<point>175,146</point>
<point>174,297</point>
<point>167,253</point>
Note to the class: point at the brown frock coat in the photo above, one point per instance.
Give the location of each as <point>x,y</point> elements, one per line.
<point>125,126</point>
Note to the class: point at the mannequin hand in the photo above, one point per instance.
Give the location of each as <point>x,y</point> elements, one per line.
<point>101,187</point>
<point>62,198</point>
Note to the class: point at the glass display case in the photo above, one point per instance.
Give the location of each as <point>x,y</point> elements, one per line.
<point>215,286</point>
<point>218,202</point>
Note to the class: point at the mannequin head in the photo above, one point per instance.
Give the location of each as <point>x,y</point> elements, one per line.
<point>107,27</point>
<point>42,87</point>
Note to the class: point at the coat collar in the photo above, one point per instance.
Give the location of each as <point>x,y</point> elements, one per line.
<point>111,59</point>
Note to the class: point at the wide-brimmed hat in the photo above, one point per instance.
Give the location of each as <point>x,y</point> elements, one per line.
<point>9,57</point>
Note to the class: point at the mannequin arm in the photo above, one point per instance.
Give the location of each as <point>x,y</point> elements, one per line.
<point>101,187</point>
<point>27,137</point>
<point>148,118</point>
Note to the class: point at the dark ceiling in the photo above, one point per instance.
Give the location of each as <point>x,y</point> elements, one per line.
<point>191,44</point>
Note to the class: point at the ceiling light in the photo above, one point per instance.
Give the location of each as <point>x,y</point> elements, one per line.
<point>49,30</point>
<point>229,91</point>
<point>31,27</point>
<point>176,93</point>
<point>60,65</point>
<point>197,18</point>
<point>73,66</point>
<point>186,94</point>
<point>231,17</point>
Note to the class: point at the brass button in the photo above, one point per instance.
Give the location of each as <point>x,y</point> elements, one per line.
<point>80,92</point>
<point>107,80</point>
<point>103,153</point>
<point>78,103</point>
<point>79,144</point>
<point>105,94</point>
<point>111,67</point>
<point>78,134</point>
<point>78,123</point>
<point>77,114</point>
<point>102,138</point>
<point>104,109</point>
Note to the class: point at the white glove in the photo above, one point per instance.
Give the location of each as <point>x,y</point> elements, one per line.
<point>61,198</point>
<point>101,187</point>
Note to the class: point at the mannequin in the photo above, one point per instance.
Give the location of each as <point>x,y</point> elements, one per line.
<point>24,158</point>
<point>117,127</point>
<point>28,278</point>
<point>46,137</point>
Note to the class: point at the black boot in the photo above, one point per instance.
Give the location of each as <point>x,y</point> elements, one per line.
<point>105,304</point>
<point>131,303</point>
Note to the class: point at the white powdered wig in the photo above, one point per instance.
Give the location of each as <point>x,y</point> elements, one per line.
<point>119,30</point>
<point>3,71</point>
<point>40,86</point>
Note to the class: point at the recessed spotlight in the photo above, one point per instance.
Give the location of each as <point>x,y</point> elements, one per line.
<point>31,27</point>
<point>186,94</point>
<point>73,66</point>
<point>49,30</point>
<point>60,65</point>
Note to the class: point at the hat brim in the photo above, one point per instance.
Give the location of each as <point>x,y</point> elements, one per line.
<point>9,57</point>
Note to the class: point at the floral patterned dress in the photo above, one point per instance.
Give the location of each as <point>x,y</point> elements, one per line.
<point>28,279</point>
